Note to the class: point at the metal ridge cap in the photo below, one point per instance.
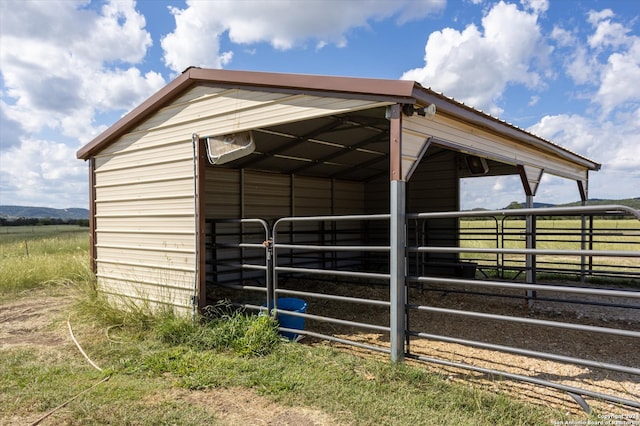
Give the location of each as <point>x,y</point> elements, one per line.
<point>316,82</point>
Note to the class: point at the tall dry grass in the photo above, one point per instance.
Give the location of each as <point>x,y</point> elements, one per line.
<point>33,257</point>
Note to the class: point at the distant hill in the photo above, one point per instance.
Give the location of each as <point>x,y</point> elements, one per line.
<point>629,202</point>
<point>15,212</point>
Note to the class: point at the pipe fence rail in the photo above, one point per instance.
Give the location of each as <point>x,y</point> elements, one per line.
<point>572,248</point>
<point>341,266</point>
<point>504,248</point>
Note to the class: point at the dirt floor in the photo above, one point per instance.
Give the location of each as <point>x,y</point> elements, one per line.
<point>40,321</point>
<point>599,347</point>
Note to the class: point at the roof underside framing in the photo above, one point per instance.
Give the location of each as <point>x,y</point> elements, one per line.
<point>351,146</point>
<point>463,137</point>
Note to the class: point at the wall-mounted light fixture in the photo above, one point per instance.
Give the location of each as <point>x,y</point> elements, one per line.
<point>477,165</point>
<point>429,111</point>
<point>225,148</point>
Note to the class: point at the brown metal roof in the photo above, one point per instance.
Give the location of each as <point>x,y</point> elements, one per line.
<point>401,91</point>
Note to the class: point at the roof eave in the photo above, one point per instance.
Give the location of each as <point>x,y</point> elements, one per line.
<point>135,116</point>
<point>396,89</point>
<point>400,90</point>
<point>478,118</point>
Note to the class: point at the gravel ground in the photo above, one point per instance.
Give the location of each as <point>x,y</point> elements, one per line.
<point>599,347</point>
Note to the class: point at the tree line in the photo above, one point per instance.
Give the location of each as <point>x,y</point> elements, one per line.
<point>34,221</point>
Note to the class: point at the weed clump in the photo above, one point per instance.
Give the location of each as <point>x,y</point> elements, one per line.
<point>223,328</point>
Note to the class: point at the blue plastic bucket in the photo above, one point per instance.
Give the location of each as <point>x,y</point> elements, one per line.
<point>288,321</point>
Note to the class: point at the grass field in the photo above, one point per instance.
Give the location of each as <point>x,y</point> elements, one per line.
<point>34,256</point>
<point>555,234</point>
<point>559,234</point>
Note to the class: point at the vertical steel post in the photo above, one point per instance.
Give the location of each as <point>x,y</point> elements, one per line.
<point>530,276</point>
<point>397,262</point>
<point>397,257</point>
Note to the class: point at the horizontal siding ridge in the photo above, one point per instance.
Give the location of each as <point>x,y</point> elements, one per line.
<point>151,147</point>
<point>142,232</point>
<point>222,113</point>
<point>162,249</point>
<point>145,282</point>
<point>153,198</point>
<point>201,97</point>
<point>144,181</point>
<point>144,265</point>
<point>172,161</point>
<point>136,215</point>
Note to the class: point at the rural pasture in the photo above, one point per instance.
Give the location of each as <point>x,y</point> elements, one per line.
<point>158,369</point>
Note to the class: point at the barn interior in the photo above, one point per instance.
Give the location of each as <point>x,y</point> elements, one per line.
<point>328,166</point>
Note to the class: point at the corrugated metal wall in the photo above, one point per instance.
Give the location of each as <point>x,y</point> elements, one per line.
<point>434,187</point>
<point>232,193</point>
<point>144,213</point>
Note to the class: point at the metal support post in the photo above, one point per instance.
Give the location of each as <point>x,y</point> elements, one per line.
<point>530,266</point>
<point>398,241</point>
<point>398,269</point>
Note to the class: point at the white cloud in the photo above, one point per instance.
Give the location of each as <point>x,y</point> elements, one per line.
<point>608,61</point>
<point>538,6</point>
<point>614,144</point>
<point>51,74</point>
<point>476,66</point>
<point>41,170</point>
<point>490,192</point>
<point>619,79</point>
<point>62,63</point>
<point>10,130</point>
<point>283,24</point>
<point>607,32</point>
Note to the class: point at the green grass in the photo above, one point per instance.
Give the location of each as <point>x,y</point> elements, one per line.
<point>555,234</point>
<point>33,256</point>
<point>148,356</point>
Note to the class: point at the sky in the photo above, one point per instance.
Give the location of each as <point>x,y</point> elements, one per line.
<point>565,70</point>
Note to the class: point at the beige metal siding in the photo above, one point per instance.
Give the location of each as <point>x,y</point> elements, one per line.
<point>434,187</point>
<point>312,196</point>
<point>227,111</point>
<point>269,195</point>
<point>377,195</point>
<point>412,146</point>
<point>145,229</point>
<point>473,140</point>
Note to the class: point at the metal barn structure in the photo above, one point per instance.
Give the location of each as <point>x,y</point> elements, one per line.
<point>239,180</point>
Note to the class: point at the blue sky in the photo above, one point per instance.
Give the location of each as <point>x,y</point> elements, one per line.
<point>566,70</point>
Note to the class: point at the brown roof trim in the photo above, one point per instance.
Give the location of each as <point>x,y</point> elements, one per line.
<point>135,116</point>
<point>368,86</point>
<point>305,82</point>
<point>399,90</point>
